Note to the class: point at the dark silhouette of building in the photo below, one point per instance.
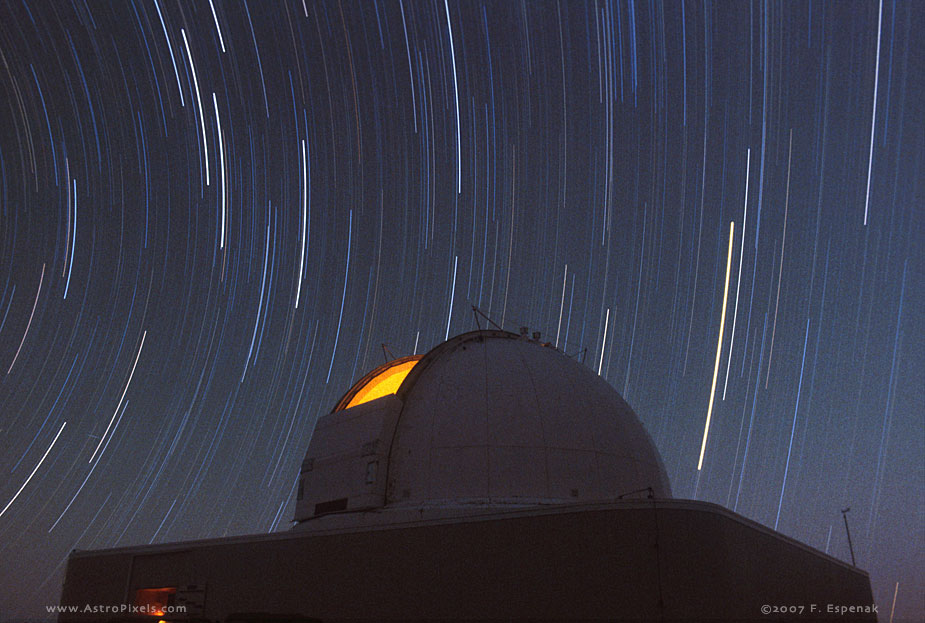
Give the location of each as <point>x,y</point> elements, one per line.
<point>492,478</point>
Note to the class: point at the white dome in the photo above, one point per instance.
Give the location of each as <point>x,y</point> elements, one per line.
<point>487,418</point>
<point>493,417</point>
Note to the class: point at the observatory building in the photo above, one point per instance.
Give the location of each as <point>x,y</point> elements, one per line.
<point>492,478</point>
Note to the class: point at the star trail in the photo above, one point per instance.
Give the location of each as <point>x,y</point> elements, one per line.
<point>216,216</point>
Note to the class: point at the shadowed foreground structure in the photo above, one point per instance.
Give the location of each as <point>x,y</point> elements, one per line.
<point>492,478</point>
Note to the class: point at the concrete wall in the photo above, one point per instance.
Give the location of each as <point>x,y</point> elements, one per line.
<point>681,561</point>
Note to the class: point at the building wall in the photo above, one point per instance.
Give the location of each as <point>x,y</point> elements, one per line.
<point>675,562</point>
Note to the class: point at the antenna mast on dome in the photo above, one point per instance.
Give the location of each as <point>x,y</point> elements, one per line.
<point>478,312</point>
<point>388,354</point>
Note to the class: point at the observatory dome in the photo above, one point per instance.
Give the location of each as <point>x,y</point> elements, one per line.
<point>487,417</point>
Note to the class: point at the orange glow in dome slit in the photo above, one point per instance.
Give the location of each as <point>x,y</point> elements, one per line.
<point>386,382</point>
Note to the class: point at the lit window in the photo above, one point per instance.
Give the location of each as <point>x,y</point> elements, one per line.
<point>154,601</point>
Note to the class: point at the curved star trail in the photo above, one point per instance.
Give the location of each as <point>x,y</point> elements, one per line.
<point>270,192</point>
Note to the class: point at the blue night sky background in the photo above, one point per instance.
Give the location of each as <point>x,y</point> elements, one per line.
<point>213,214</point>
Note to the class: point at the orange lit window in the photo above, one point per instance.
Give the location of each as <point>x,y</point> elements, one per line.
<point>382,381</point>
<point>154,601</point>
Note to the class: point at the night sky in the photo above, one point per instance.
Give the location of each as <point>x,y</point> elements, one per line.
<point>212,216</point>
